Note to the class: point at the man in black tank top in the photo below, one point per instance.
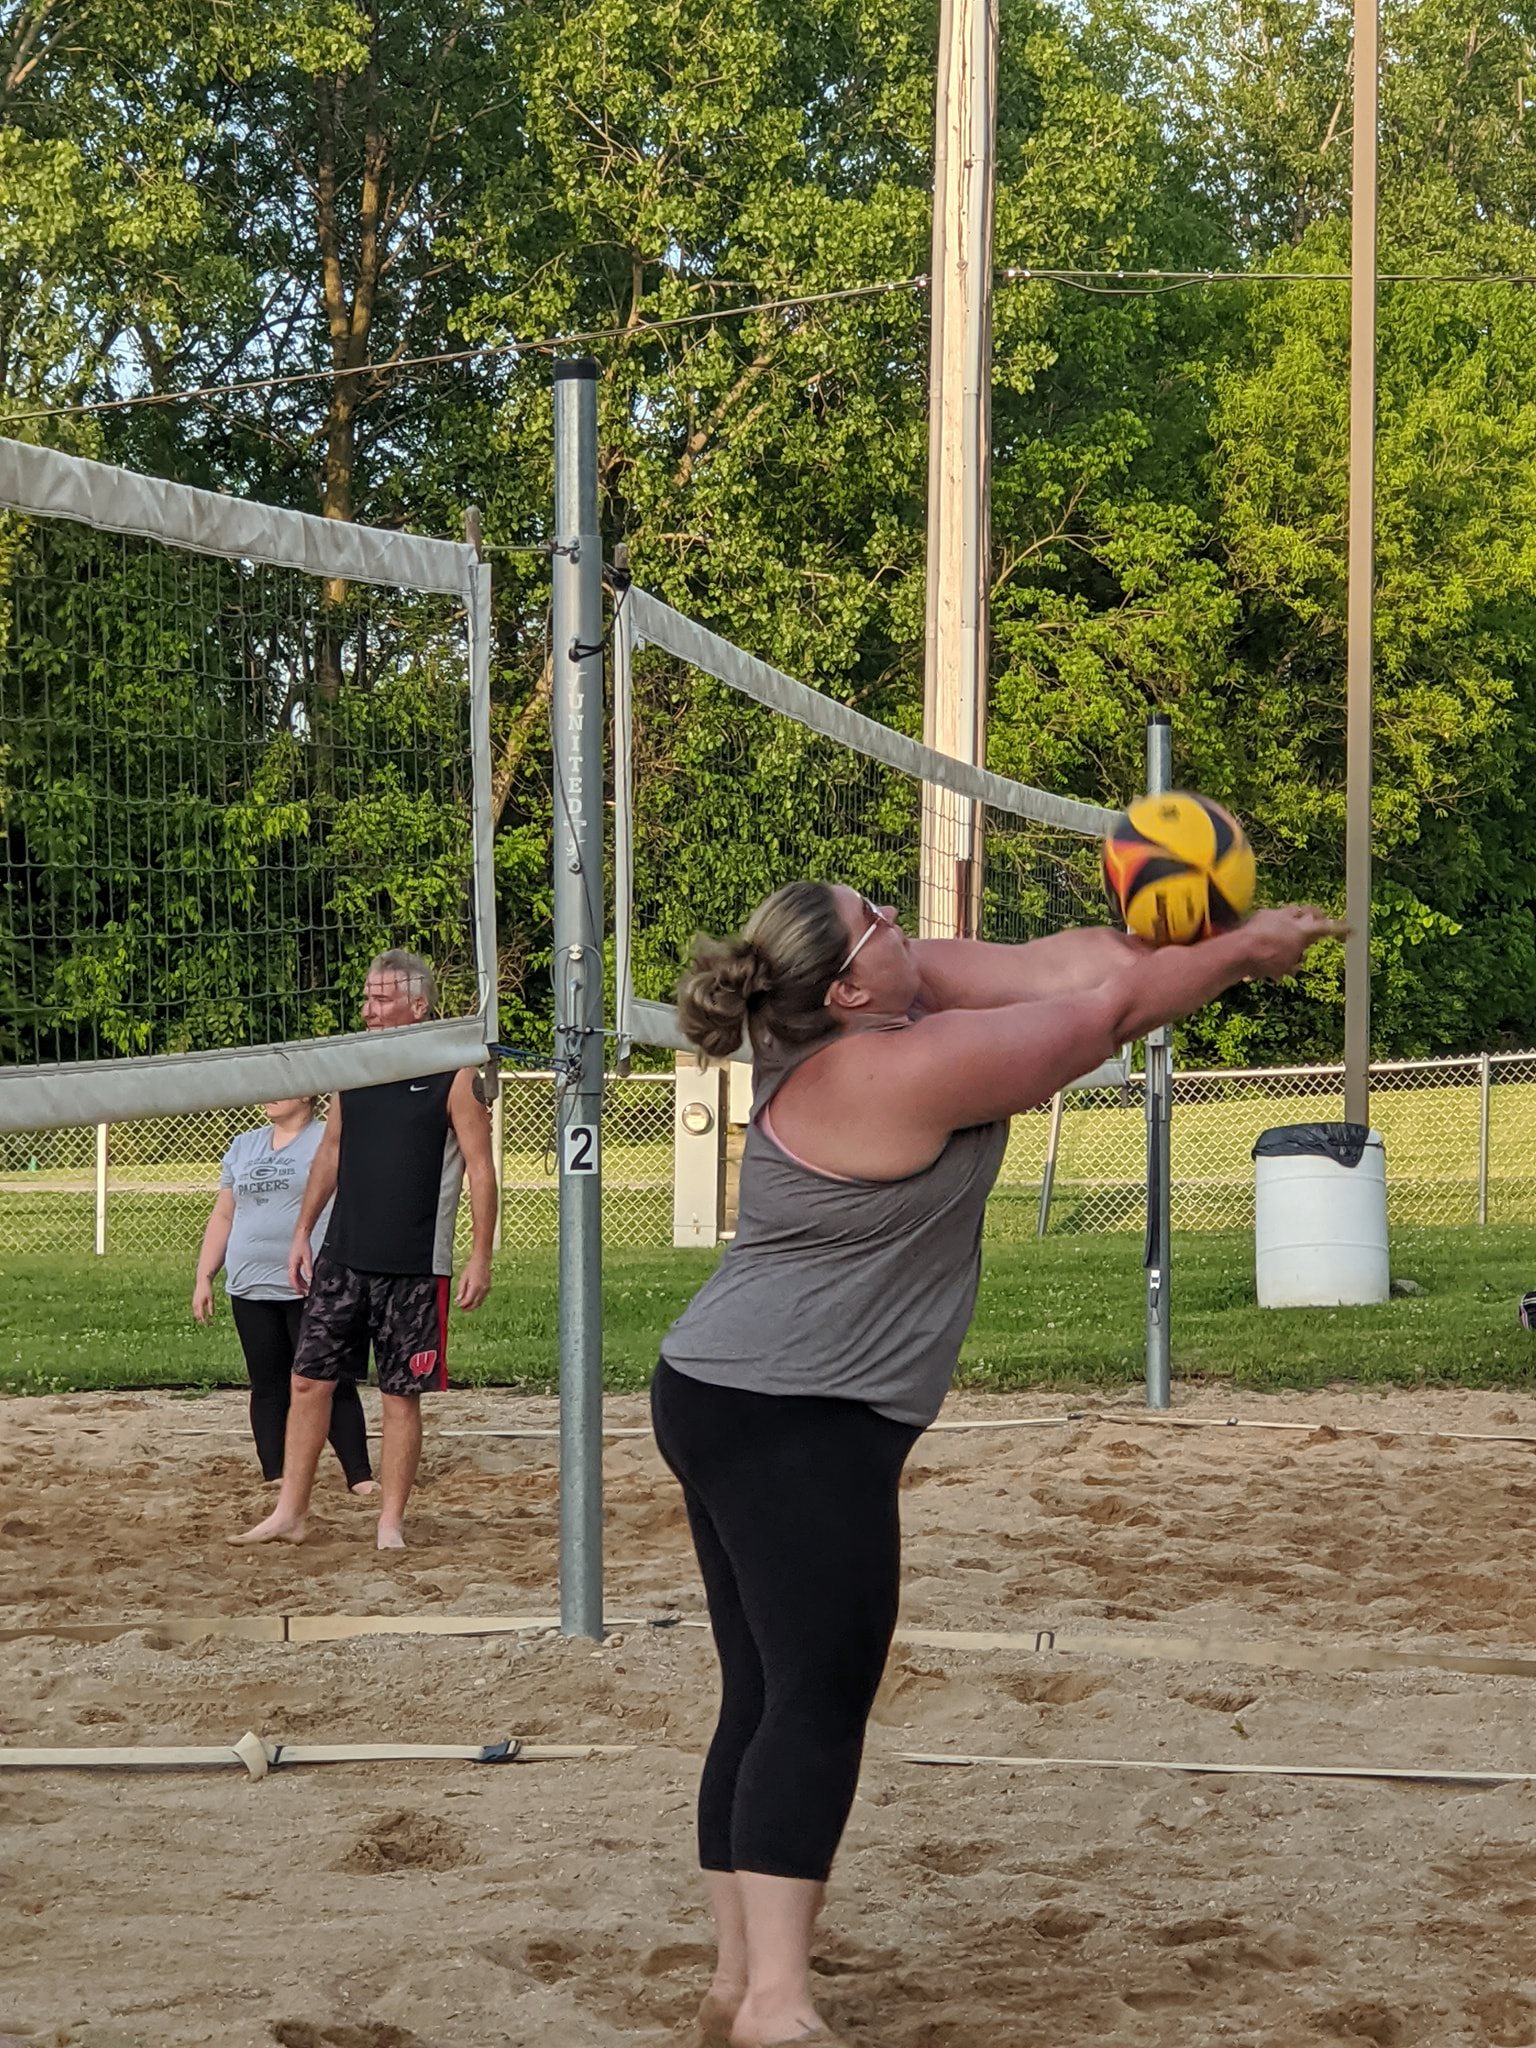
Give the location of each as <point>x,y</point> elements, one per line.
<point>395,1155</point>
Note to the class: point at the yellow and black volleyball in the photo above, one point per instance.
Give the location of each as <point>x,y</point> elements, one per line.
<point>1178,868</point>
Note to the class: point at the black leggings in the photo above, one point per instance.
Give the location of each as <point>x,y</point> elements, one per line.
<point>269,1333</point>
<point>792,1504</point>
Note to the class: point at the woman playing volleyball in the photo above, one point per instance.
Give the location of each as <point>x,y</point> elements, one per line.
<point>791,1390</point>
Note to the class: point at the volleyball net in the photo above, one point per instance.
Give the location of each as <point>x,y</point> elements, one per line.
<point>243,750</point>
<point>732,778</point>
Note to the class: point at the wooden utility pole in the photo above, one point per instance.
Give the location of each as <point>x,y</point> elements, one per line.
<point>959,456</point>
<point>1362,570</point>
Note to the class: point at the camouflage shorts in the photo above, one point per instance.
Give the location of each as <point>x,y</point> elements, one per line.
<point>403,1316</point>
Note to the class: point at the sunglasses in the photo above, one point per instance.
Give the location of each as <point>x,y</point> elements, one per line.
<point>877,919</point>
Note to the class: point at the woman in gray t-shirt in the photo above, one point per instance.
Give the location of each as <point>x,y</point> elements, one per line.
<point>261,1186</point>
<point>791,1390</point>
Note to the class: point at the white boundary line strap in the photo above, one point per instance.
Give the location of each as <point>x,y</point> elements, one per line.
<point>51,485</point>
<point>297,1628</point>
<point>1058,1642</point>
<point>616,1430</point>
<point>1367,1772</point>
<point>170,1084</point>
<point>335,1628</point>
<point>530,1433</point>
<point>1089,1416</point>
<point>258,1755</point>
<point>1113,1418</point>
<point>1460,1436</point>
<point>661,626</point>
<point>245,1628</point>
<point>1265,1655</point>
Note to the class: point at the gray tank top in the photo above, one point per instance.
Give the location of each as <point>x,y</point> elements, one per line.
<point>860,1289</point>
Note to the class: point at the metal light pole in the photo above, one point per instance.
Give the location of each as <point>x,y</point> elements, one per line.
<point>959,457</point>
<point>577,712</point>
<point>1159,1111</point>
<point>1362,468</point>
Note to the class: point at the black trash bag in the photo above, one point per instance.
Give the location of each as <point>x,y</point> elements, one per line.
<point>1344,1144</point>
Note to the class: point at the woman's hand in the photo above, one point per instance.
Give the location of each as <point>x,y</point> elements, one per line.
<point>301,1260</point>
<point>202,1300</point>
<point>1277,941</point>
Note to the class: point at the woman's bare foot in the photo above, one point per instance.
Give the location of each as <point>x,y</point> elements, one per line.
<point>276,1528</point>
<point>364,1486</point>
<point>391,1536</point>
<point>717,2015</point>
<point>767,2026</point>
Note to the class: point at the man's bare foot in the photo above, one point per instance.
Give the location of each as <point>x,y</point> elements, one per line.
<point>364,1486</point>
<point>277,1528</point>
<point>391,1536</point>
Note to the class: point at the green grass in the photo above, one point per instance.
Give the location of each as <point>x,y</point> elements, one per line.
<point>1064,1313</point>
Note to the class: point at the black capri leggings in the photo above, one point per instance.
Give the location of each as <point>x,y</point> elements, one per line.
<point>269,1335</point>
<point>792,1503</point>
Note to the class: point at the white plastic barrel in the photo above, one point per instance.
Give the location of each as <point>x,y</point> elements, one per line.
<point>1320,1229</point>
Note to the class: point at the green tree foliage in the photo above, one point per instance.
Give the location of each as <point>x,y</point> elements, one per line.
<point>317,188</point>
<point>1263,92</point>
<point>201,848</point>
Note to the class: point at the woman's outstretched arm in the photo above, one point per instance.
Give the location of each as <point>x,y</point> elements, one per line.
<point>976,974</point>
<point>967,1067</point>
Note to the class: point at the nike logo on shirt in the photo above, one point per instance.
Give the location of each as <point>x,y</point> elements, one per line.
<point>418,1087</point>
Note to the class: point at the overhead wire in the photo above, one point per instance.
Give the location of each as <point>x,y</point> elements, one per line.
<point>1101,283</point>
<point>484,352</point>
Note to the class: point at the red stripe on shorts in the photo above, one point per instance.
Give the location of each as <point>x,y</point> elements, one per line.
<point>439,1380</point>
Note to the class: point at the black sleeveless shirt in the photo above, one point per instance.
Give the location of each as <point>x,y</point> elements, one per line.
<point>398,1182</point>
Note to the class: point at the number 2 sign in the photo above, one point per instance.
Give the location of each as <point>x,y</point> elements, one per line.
<point>578,1148</point>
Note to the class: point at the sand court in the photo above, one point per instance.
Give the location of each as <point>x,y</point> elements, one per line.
<point>450,1905</point>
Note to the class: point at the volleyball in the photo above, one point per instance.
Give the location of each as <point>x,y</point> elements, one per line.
<point>1178,868</point>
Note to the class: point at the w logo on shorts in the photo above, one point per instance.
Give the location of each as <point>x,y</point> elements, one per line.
<point>423,1362</point>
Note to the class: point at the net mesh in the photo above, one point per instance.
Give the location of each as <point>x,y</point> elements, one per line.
<point>224,786</point>
<point>162,1174</point>
<point>732,798</point>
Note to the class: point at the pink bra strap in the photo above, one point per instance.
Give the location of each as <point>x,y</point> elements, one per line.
<point>765,1125</point>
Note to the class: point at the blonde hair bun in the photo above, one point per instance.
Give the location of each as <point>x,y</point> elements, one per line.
<point>770,983</point>
<point>717,992</point>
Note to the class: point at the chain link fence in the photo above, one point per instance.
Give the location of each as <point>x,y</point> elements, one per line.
<point>161,1175</point>
<point>1460,1140</point>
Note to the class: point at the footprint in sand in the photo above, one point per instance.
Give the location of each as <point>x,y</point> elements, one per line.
<point>677,1955</point>
<point>1063,1923</point>
<point>957,1859</point>
<point>1507,2018</point>
<point>1364,2019</point>
<point>345,2034</point>
<point>407,1841</point>
<point>1068,1690</point>
<point>552,1960</point>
